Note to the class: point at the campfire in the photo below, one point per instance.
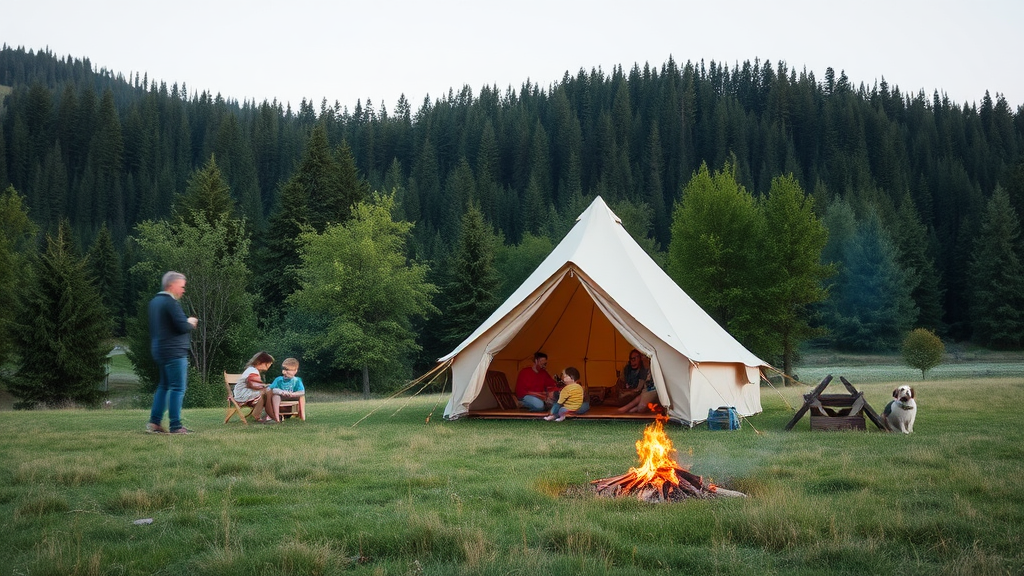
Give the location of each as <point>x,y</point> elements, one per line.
<point>659,478</point>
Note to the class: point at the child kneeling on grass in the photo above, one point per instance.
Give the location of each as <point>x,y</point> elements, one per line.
<point>287,386</point>
<point>570,398</point>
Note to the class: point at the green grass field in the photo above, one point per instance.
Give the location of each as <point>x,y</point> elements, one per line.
<point>398,495</point>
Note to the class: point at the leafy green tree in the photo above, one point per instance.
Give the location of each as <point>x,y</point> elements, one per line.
<point>62,341</point>
<point>356,279</point>
<point>923,350</point>
<point>211,249</point>
<point>16,234</point>
<point>791,251</point>
<point>712,255</point>
<point>997,277</point>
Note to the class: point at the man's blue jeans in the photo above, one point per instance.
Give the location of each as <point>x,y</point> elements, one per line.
<point>532,403</point>
<point>170,392</point>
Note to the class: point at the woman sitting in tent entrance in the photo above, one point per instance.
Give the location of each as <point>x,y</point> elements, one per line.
<point>628,384</point>
<point>636,378</point>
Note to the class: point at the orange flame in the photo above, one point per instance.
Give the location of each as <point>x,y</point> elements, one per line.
<point>657,457</point>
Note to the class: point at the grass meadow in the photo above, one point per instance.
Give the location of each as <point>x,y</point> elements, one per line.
<point>398,495</point>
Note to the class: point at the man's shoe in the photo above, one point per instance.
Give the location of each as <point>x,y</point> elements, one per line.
<point>181,430</point>
<point>155,428</point>
<point>560,419</point>
<point>549,417</point>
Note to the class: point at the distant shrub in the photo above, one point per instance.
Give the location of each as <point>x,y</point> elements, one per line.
<point>923,350</point>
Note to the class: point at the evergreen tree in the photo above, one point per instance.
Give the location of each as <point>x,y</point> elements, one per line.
<point>105,271</point>
<point>62,341</point>
<point>320,192</point>
<point>207,197</point>
<point>515,263</point>
<point>469,295</point>
<point>911,239</point>
<point>16,234</point>
<point>997,277</point>
<point>352,188</point>
<point>871,308</point>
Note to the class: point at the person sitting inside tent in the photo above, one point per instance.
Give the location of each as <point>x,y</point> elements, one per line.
<point>570,397</point>
<point>534,386</point>
<point>627,386</point>
<point>644,383</point>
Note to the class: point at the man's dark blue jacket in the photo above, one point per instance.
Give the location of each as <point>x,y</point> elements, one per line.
<point>169,330</point>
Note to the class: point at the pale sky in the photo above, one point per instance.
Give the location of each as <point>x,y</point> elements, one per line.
<point>377,50</point>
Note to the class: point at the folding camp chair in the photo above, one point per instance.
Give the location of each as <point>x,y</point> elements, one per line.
<point>233,406</point>
<point>498,385</point>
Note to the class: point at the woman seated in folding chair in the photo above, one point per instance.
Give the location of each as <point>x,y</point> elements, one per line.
<point>250,389</point>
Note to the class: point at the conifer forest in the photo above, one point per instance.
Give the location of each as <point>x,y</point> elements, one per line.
<point>913,201</point>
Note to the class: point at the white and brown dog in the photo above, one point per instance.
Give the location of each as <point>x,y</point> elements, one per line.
<point>899,414</point>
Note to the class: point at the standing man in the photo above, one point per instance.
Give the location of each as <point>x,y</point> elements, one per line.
<point>170,333</point>
<point>534,384</point>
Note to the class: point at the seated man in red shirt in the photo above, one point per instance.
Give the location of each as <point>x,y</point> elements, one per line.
<point>534,384</point>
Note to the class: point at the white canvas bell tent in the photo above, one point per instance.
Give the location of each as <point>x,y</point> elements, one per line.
<point>593,299</point>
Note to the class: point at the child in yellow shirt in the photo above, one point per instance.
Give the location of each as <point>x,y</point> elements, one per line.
<point>570,398</point>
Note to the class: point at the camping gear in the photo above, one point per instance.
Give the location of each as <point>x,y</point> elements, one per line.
<point>724,418</point>
<point>593,299</point>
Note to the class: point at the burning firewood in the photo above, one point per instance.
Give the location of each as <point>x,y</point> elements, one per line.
<point>659,478</point>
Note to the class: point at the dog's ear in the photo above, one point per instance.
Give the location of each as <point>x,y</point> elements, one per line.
<point>911,391</point>
<point>896,393</point>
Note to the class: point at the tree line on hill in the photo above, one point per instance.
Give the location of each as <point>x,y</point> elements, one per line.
<point>860,213</point>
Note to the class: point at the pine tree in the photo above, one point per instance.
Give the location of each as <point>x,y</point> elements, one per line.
<point>62,347</point>
<point>871,308</point>
<point>911,239</point>
<point>469,295</point>
<point>105,270</point>
<point>207,197</point>
<point>16,234</point>
<point>317,194</point>
<point>997,277</point>
<point>353,189</point>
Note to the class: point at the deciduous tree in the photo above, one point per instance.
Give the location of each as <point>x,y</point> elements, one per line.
<point>923,350</point>
<point>356,279</point>
<point>211,249</point>
<point>713,255</point>
<point>794,280</point>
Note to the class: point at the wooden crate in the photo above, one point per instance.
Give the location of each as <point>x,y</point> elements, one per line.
<point>854,422</point>
<point>836,411</point>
